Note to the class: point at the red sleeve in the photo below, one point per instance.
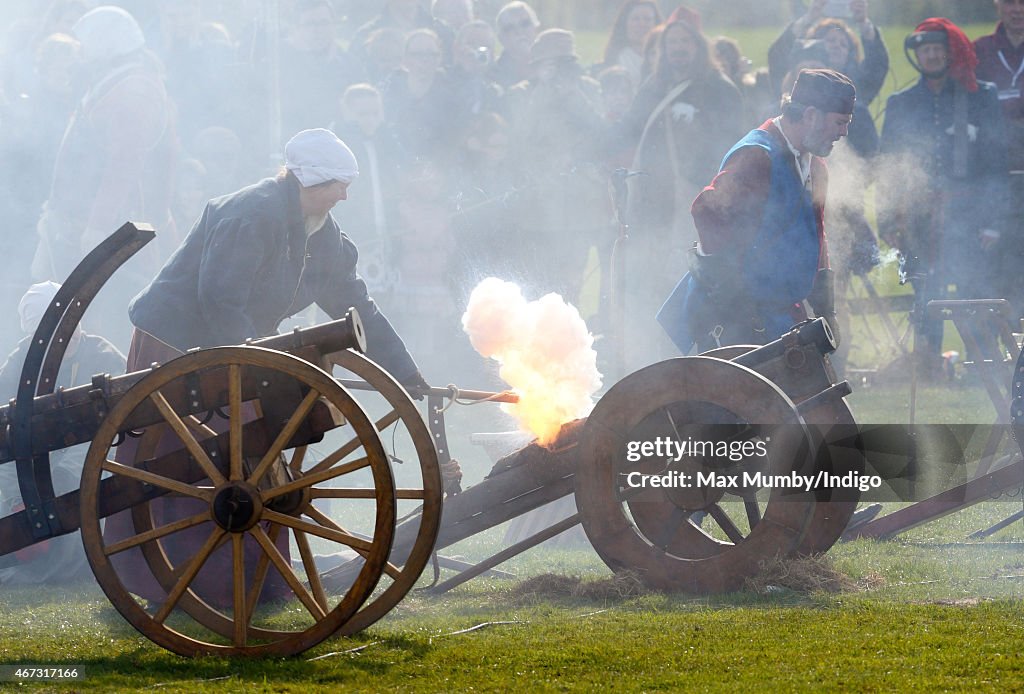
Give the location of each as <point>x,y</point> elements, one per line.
<point>727,213</point>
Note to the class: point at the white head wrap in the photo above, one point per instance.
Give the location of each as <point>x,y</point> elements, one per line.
<point>107,32</point>
<point>317,156</point>
<point>33,305</point>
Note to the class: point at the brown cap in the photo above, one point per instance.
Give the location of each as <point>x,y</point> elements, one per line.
<point>553,44</point>
<point>824,89</point>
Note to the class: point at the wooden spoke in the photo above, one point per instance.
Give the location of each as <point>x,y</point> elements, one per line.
<point>298,455</point>
<point>351,445</point>
<point>753,512</point>
<point>157,533</point>
<point>354,443</point>
<point>672,525</point>
<point>672,423</point>
<point>179,427</point>
<point>387,420</point>
<point>318,530</point>
<point>290,427</point>
<point>241,617</point>
<point>260,574</point>
<point>202,431</point>
<point>235,407</point>
<point>203,493</point>
<point>312,575</point>
<point>725,523</point>
<point>362,493</point>
<point>325,520</point>
<point>286,571</point>
<point>311,478</point>
<point>187,574</point>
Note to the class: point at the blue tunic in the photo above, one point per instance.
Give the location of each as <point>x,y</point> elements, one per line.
<point>777,269</point>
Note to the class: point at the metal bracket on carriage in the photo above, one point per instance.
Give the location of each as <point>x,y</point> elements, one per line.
<point>43,360</point>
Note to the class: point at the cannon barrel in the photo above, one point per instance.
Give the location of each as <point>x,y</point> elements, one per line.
<point>72,416</point>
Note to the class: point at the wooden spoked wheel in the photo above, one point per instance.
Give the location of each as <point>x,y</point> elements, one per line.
<point>420,486</point>
<point>835,432</point>
<point>229,559</point>
<point>634,525</point>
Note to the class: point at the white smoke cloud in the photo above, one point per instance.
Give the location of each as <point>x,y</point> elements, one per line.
<point>544,350</point>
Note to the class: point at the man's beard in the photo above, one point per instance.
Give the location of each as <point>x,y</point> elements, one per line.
<point>935,74</point>
<point>820,148</point>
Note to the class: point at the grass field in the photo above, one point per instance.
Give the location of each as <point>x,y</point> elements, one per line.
<point>929,613</point>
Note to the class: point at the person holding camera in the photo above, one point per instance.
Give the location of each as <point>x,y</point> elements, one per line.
<point>473,91</point>
<point>853,43</point>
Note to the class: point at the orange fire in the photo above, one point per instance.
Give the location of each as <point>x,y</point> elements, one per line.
<point>544,350</point>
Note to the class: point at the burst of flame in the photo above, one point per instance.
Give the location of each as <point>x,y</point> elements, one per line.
<point>544,349</point>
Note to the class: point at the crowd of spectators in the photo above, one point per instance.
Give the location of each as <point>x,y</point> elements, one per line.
<point>486,145</point>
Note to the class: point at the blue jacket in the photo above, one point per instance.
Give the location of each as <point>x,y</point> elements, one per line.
<point>247,265</point>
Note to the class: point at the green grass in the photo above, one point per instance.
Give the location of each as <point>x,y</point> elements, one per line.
<point>942,618</point>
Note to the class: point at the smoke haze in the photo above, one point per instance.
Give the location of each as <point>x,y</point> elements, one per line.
<point>544,349</point>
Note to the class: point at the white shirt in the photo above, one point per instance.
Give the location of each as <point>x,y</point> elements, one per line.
<point>803,161</point>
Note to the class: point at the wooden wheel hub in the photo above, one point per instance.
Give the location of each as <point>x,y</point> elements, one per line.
<point>236,506</point>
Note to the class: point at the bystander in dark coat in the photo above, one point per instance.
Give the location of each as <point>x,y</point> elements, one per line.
<point>943,201</point>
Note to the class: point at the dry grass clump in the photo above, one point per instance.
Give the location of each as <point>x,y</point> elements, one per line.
<point>807,574</point>
<point>620,586</point>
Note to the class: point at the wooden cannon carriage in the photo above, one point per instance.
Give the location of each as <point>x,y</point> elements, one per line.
<point>217,446</point>
<point>211,428</point>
